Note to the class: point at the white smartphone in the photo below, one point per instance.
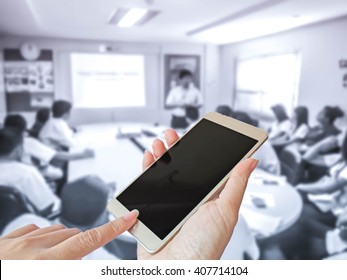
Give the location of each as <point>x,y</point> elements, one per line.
<point>197,166</point>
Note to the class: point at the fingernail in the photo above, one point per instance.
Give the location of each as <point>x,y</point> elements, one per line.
<point>253,164</point>
<point>131,215</point>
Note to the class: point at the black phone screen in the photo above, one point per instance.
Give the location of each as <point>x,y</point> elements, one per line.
<point>172,187</point>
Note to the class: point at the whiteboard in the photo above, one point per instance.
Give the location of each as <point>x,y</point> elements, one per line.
<point>107,80</point>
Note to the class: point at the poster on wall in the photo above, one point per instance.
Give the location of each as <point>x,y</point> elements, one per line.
<point>174,64</point>
<point>29,84</point>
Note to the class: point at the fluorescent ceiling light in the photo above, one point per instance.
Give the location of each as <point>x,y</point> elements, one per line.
<point>245,30</point>
<point>132,17</point>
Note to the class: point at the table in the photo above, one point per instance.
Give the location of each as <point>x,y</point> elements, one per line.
<point>119,160</point>
<point>288,203</point>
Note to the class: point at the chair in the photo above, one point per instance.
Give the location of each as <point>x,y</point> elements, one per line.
<point>84,201</point>
<point>42,116</point>
<point>84,206</point>
<point>291,166</point>
<point>12,204</point>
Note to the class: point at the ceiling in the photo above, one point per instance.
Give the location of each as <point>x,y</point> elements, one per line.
<point>227,21</point>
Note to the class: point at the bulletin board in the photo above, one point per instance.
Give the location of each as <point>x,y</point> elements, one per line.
<point>29,85</point>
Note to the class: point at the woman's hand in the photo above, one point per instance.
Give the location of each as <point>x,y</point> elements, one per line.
<point>58,242</point>
<point>206,234</point>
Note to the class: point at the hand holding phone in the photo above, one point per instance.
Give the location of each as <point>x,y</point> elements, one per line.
<point>184,178</point>
<point>206,233</point>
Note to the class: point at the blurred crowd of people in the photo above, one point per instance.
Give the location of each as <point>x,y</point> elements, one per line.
<point>313,158</point>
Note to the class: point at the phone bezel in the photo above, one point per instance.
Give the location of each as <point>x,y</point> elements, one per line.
<point>149,240</point>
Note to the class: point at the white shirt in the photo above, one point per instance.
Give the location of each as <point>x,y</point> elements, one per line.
<point>36,149</point>
<point>278,128</point>
<point>333,158</point>
<point>299,133</point>
<point>29,182</point>
<point>268,159</point>
<point>57,132</point>
<point>333,242</point>
<point>180,97</point>
<point>335,202</point>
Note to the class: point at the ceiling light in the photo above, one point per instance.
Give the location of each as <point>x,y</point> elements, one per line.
<point>132,17</point>
<point>245,30</point>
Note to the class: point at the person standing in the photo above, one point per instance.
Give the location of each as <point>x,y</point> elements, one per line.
<point>183,95</point>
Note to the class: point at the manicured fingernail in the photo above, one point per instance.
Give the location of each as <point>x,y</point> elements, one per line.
<point>253,164</point>
<point>131,215</point>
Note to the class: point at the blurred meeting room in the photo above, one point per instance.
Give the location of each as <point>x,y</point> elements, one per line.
<point>87,85</point>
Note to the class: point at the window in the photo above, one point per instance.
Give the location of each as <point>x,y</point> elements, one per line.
<point>265,81</point>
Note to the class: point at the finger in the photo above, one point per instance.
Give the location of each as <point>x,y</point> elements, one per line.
<point>171,137</point>
<point>86,242</point>
<point>45,230</point>
<point>158,148</point>
<point>22,231</point>
<point>148,159</point>
<point>53,238</point>
<point>232,194</point>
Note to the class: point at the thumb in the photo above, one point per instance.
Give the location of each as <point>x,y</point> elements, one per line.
<point>232,194</point>
<point>86,242</point>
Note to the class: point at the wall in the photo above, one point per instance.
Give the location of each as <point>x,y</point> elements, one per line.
<point>154,54</point>
<point>2,89</point>
<point>321,47</point>
<point>212,77</point>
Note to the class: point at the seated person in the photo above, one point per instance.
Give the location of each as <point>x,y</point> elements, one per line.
<point>328,193</point>
<point>56,132</point>
<point>217,228</point>
<point>184,94</point>
<point>192,116</point>
<point>333,184</point>
<point>42,116</point>
<point>336,239</point>
<point>282,125</point>
<point>21,176</point>
<point>326,127</point>
<point>83,206</point>
<point>42,154</point>
<point>324,202</point>
<point>329,241</point>
<point>319,153</point>
<point>321,148</point>
<point>34,152</point>
<point>268,159</point>
<point>298,131</point>
<point>225,110</point>
<point>312,237</point>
